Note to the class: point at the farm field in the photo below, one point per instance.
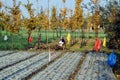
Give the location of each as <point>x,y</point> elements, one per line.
<point>27,65</point>
<point>59,39</point>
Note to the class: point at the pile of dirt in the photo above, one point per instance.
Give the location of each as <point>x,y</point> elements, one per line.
<point>51,46</point>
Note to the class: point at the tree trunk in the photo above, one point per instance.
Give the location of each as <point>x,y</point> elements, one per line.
<point>53,34</point>
<point>60,33</point>
<point>82,42</point>
<point>0,34</point>
<point>75,36</point>
<point>88,36</point>
<point>57,32</point>
<point>96,33</point>
<point>39,38</point>
<point>46,36</point>
<point>6,41</point>
<point>12,41</point>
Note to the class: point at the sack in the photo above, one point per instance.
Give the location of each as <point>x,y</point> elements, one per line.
<point>68,38</point>
<point>5,38</point>
<point>97,45</point>
<point>104,42</point>
<point>112,59</point>
<point>30,39</point>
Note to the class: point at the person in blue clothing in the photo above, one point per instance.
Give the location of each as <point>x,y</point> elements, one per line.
<point>63,40</point>
<point>64,43</point>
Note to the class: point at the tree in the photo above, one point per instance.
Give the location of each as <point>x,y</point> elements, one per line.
<point>78,17</point>
<point>44,23</point>
<point>89,23</point>
<point>94,7</point>
<point>1,21</point>
<point>96,16</point>
<point>0,4</point>
<point>71,24</point>
<point>112,24</point>
<point>63,13</point>
<point>59,22</point>
<point>30,23</point>
<point>96,23</point>
<point>12,22</point>
<point>53,21</point>
<point>39,22</point>
<point>1,18</point>
<point>63,17</point>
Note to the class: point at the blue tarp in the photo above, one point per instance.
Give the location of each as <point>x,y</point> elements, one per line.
<point>112,59</point>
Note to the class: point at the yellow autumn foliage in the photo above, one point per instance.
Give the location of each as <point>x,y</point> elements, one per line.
<point>78,15</point>
<point>53,20</point>
<point>96,20</point>
<point>12,21</point>
<point>66,23</point>
<point>28,6</point>
<point>32,22</point>
<point>0,4</point>
<point>63,12</point>
<point>78,2</point>
<point>89,21</point>
<point>60,22</point>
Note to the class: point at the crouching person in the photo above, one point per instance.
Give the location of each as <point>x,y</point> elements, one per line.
<point>62,44</point>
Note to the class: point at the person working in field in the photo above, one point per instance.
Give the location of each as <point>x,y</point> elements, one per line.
<point>62,43</point>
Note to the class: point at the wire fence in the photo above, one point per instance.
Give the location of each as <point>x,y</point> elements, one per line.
<point>20,40</point>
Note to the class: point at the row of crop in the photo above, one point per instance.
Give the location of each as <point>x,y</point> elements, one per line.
<point>25,68</point>
<point>3,53</point>
<point>95,67</point>
<point>60,69</point>
<point>13,58</point>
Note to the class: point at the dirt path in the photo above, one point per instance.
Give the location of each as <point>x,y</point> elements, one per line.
<point>75,72</point>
